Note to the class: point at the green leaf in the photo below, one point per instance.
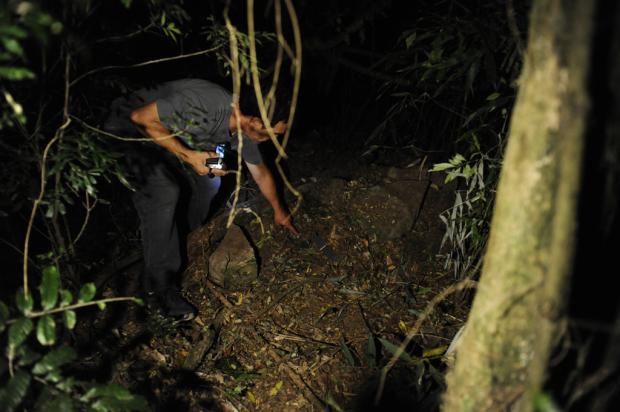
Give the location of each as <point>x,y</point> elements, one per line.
<point>438,167</point>
<point>13,46</point>
<point>15,391</point>
<point>60,403</point>
<point>15,73</point>
<point>49,287</point>
<point>70,319</point>
<point>543,402</point>
<point>24,303</point>
<point>348,354</point>
<point>410,39</point>
<point>101,305</point>
<point>4,316</point>
<point>26,355</point>
<point>46,331</point>
<point>54,360</point>
<point>493,96</point>
<point>87,292</point>
<point>457,160</point>
<point>390,347</point>
<point>13,31</point>
<point>66,297</point>
<point>371,352</point>
<point>126,3</point>
<point>18,332</point>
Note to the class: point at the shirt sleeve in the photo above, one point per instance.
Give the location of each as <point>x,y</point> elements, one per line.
<point>250,151</point>
<point>185,115</point>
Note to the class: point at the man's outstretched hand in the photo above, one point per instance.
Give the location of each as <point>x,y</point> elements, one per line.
<point>285,220</point>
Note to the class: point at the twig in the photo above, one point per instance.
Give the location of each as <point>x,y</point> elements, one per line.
<point>33,315</point>
<point>125,139</point>
<point>512,24</point>
<point>57,136</point>
<point>467,283</point>
<point>89,209</point>
<point>146,63</point>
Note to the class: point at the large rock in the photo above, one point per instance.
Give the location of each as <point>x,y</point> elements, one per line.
<point>380,213</point>
<point>233,263</point>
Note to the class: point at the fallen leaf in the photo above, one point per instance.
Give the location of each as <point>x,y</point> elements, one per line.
<point>276,388</point>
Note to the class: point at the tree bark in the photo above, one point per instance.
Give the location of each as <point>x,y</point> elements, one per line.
<point>520,303</point>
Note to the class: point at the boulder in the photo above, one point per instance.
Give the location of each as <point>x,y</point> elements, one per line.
<point>233,264</point>
<point>380,213</point>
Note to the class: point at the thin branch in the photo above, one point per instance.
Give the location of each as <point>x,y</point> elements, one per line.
<point>236,77</point>
<point>464,284</point>
<point>89,209</point>
<point>57,136</point>
<point>146,63</point>
<point>125,139</point>
<point>33,315</point>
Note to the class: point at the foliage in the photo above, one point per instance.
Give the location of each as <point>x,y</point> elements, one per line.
<point>34,369</point>
<point>217,34</point>
<point>468,221</point>
<point>453,90</point>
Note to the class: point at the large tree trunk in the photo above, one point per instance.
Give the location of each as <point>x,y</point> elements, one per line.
<point>519,306</point>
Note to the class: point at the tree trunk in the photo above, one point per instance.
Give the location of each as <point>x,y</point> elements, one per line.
<point>520,303</point>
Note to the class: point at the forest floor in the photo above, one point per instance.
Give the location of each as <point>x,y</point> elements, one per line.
<point>326,311</point>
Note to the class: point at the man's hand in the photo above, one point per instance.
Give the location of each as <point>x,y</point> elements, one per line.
<point>198,161</point>
<point>286,221</point>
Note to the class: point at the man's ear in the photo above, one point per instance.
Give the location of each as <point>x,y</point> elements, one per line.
<point>280,127</point>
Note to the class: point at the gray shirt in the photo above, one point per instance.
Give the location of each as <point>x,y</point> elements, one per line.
<point>196,110</point>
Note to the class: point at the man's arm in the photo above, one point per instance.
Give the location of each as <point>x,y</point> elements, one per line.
<point>146,119</point>
<point>264,179</point>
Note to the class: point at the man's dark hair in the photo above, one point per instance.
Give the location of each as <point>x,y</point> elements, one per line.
<point>249,106</point>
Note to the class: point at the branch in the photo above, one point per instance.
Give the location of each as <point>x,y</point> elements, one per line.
<point>464,284</point>
<point>57,136</point>
<point>146,63</point>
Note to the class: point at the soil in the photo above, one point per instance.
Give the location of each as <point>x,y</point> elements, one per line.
<point>322,318</point>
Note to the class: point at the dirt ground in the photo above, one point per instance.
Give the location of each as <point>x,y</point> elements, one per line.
<point>325,313</point>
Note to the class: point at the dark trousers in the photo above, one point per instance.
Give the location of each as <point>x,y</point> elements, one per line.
<point>171,200</point>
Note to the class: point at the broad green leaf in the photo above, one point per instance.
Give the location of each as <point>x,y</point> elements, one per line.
<point>24,303</point>
<point>543,402</point>
<point>66,297</point>
<point>13,46</point>
<point>49,287</point>
<point>26,355</point>
<point>15,391</point>
<point>457,159</point>
<point>410,39</point>
<point>54,360</point>
<point>46,331</point>
<point>4,316</point>
<point>438,167</point>
<point>15,73</point>
<point>136,403</point>
<point>371,352</point>
<point>70,319</point>
<point>390,347</point>
<point>493,96</point>
<point>87,292</point>
<point>348,354</point>
<point>13,31</point>
<point>18,332</point>
<point>101,305</point>
<point>60,403</point>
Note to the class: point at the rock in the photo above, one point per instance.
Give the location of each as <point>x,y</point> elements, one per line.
<point>233,263</point>
<point>380,213</point>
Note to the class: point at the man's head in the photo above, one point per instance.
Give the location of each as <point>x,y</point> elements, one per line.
<point>255,129</point>
<point>251,122</point>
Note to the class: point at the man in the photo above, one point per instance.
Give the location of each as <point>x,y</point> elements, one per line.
<point>185,120</point>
